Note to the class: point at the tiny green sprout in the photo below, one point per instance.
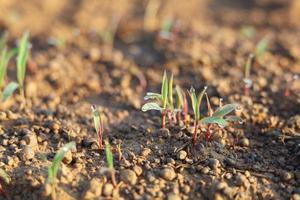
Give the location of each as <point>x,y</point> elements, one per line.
<point>248,31</point>
<point>9,90</point>
<point>247,80</point>
<point>196,103</point>
<point>5,178</point>
<point>23,54</point>
<point>262,47</point>
<point>98,125</point>
<point>166,28</point>
<point>165,99</point>
<point>53,169</point>
<point>110,162</point>
<point>179,101</point>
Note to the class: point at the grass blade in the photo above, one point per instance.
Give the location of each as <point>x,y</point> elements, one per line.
<point>224,110</point>
<point>199,100</point>
<point>179,97</point>
<point>9,90</point>
<point>23,54</point>
<point>171,91</point>
<point>151,106</point>
<point>109,155</point>
<point>214,120</point>
<point>96,118</point>
<point>152,95</point>
<point>164,90</point>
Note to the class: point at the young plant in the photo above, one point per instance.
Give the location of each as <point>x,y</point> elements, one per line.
<point>179,101</point>
<point>110,162</point>
<point>23,53</point>
<point>196,103</point>
<point>53,169</point>
<point>5,178</point>
<point>220,118</point>
<point>262,47</point>
<point>247,80</point>
<point>119,150</point>
<point>98,125</point>
<point>166,28</point>
<point>165,99</point>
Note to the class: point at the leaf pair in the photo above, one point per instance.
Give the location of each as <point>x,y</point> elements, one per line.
<point>218,116</point>
<point>196,102</point>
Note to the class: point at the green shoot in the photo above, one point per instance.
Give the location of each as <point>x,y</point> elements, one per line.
<point>3,41</point>
<point>196,103</point>
<point>9,90</point>
<point>4,60</point>
<point>247,80</point>
<point>165,99</point>
<point>248,31</point>
<point>179,101</point>
<point>166,28</point>
<point>6,179</point>
<point>53,169</point>
<point>98,125</point>
<point>110,162</point>
<point>23,53</point>
<point>262,47</point>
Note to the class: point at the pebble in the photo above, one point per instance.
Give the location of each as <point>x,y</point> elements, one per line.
<point>68,157</point>
<point>181,155</point>
<point>286,176</point>
<point>94,190</point>
<point>213,163</point>
<point>27,154</point>
<point>241,180</point>
<point>128,176</point>
<point>145,152</point>
<point>108,189</point>
<point>205,170</point>
<point>245,142</point>
<point>31,139</point>
<point>138,170</point>
<point>168,173</point>
<point>172,196</point>
<point>163,132</point>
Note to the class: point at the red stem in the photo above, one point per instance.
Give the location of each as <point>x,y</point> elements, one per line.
<point>207,134</point>
<point>178,117</point>
<point>195,134</point>
<point>163,119</point>
<point>185,110</point>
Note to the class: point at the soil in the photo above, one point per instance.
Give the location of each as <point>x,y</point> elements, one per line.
<point>72,66</point>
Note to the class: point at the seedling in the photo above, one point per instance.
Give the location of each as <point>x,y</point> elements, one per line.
<point>219,118</point>
<point>110,162</point>
<point>165,99</point>
<point>5,178</point>
<point>196,103</point>
<point>98,125</point>
<point>3,40</point>
<point>23,53</point>
<point>166,28</point>
<point>182,105</point>
<point>247,80</point>
<point>53,169</point>
<point>262,47</point>
<point>248,31</point>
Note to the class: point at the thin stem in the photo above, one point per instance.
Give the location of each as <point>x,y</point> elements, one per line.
<point>163,119</point>
<point>178,117</point>
<point>113,178</point>
<point>195,133</point>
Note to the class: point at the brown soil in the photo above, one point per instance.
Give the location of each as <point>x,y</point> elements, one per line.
<point>258,159</point>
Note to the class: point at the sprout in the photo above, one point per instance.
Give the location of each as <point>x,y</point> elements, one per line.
<point>23,53</point>
<point>98,125</point>
<point>53,169</point>
<point>247,80</point>
<point>166,28</point>
<point>196,103</point>
<point>165,99</point>
<point>262,47</point>
<point>9,90</point>
<point>110,162</point>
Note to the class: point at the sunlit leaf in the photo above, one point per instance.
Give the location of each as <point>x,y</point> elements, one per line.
<point>262,47</point>
<point>179,97</point>
<point>214,120</point>
<point>170,92</point>
<point>109,155</point>
<point>151,106</point>
<point>151,95</point>
<point>224,110</point>
<point>23,53</point>
<point>164,90</point>
<point>9,90</point>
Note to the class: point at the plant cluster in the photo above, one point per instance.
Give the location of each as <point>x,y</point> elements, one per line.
<point>5,56</point>
<point>164,104</point>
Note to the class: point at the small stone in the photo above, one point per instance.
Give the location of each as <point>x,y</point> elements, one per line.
<point>94,190</point>
<point>128,176</point>
<point>108,189</point>
<point>31,139</point>
<point>163,132</point>
<point>221,185</point>
<point>205,170</point>
<point>68,157</point>
<point>95,54</point>
<point>241,180</point>
<point>145,152</point>
<point>27,154</point>
<point>296,197</point>
<point>228,176</point>
<point>181,155</point>
<point>214,163</point>
<point>138,170</point>
<point>286,176</point>
<point>245,142</point>
<point>172,196</point>
<point>150,177</point>
<point>168,173</point>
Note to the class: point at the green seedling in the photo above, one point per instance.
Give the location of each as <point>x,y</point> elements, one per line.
<point>119,150</point>
<point>179,101</point>
<point>166,28</point>
<point>5,178</point>
<point>247,80</point>
<point>53,169</point>
<point>248,31</point>
<point>262,47</point>
<point>220,118</point>
<point>196,103</point>
<point>165,100</point>
<point>98,125</point>
<point>23,54</point>
<point>110,162</point>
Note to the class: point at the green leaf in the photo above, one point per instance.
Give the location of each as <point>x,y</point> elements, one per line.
<point>23,53</point>
<point>193,100</point>
<point>171,91</point>
<point>224,110</point>
<point>9,90</point>
<point>233,118</point>
<point>152,95</point>
<point>199,100</point>
<point>96,118</point>
<point>214,120</point>
<point>164,90</point>
<point>4,176</point>
<point>53,169</point>
<point>109,155</point>
<point>151,106</point>
<point>262,47</point>
<point>179,97</point>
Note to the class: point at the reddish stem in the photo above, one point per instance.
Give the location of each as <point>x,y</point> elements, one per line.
<point>207,134</point>
<point>195,134</point>
<point>163,119</point>
<point>185,110</point>
<point>113,178</point>
<point>178,117</point>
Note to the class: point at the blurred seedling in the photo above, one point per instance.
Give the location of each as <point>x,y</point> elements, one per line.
<point>182,105</point>
<point>4,178</point>
<point>51,183</point>
<point>247,80</point>
<point>290,80</point>
<point>110,162</point>
<point>22,57</point>
<point>98,125</point>
<point>119,150</point>
<point>164,100</point>
<point>108,36</point>
<point>166,28</point>
<point>248,31</point>
<point>196,103</point>
<point>262,47</point>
